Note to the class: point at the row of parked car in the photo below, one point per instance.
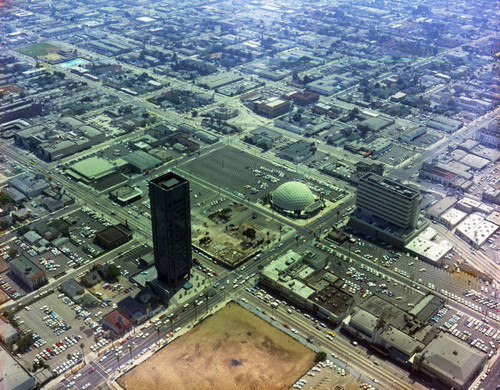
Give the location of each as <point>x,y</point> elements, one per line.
<point>9,289</point>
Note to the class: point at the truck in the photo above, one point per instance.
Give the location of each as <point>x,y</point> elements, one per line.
<point>274,305</point>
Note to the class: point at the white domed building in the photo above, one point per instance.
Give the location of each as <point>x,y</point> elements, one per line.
<point>295,199</point>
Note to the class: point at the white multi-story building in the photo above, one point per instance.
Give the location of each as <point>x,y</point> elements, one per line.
<point>388,200</point>
<point>490,136</point>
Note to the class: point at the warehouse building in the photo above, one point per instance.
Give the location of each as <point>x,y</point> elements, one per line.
<point>91,169</point>
<point>300,275</point>
<point>451,361</point>
<point>14,376</point>
<point>113,236</point>
<point>141,161</point>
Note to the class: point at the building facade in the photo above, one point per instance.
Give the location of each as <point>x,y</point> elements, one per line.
<point>490,136</point>
<point>171,225</point>
<point>8,334</point>
<point>28,272</point>
<point>388,200</point>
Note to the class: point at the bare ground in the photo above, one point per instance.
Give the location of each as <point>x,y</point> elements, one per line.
<point>233,349</point>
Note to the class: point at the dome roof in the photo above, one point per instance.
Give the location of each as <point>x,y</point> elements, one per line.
<point>293,196</point>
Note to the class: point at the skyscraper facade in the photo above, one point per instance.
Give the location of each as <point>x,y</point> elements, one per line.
<point>388,200</point>
<point>171,225</point>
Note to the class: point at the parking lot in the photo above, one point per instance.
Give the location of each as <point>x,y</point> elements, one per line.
<point>247,176</point>
<point>51,322</point>
<point>66,255</point>
<point>327,375</point>
<point>479,333</point>
<point>395,155</point>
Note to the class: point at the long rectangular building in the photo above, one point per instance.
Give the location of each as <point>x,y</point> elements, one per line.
<point>388,200</point>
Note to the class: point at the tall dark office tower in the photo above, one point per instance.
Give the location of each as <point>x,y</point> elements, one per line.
<point>171,222</point>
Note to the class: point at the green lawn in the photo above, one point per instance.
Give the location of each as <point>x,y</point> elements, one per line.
<point>37,50</point>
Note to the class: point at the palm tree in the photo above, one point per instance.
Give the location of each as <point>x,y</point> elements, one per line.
<point>82,346</point>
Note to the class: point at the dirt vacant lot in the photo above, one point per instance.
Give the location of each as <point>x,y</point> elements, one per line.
<point>233,349</point>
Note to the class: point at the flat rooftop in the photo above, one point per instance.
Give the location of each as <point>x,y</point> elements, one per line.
<point>168,181</point>
<point>390,185</point>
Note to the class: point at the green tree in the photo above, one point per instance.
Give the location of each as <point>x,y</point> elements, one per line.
<point>297,117</point>
<point>23,230</point>
<point>226,211</point>
<point>250,233</point>
<point>112,272</point>
<point>12,252</point>
<point>266,199</point>
<point>353,113</point>
<point>5,198</point>
<point>320,357</point>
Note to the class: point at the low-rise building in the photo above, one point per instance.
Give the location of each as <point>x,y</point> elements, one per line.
<point>450,361</point>
<point>8,334</point>
<point>300,275</point>
<point>489,136</point>
<point>29,184</point>
<point>91,169</point>
<point>273,107</point>
<point>126,194</point>
<point>445,124</point>
<point>117,322</point>
<point>205,136</point>
<point>263,137</point>
<point>303,98</point>
<point>91,279</point>
<point>141,161</point>
<point>113,236</point>
<point>475,230</point>
<point>72,289</point>
<point>14,376</point>
<point>452,217</point>
<point>298,151</point>
<point>27,272</point>
<point>413,134</point>
<point>427,248</point>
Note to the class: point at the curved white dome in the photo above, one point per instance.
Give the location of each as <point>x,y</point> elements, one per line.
<point>293,196</point>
